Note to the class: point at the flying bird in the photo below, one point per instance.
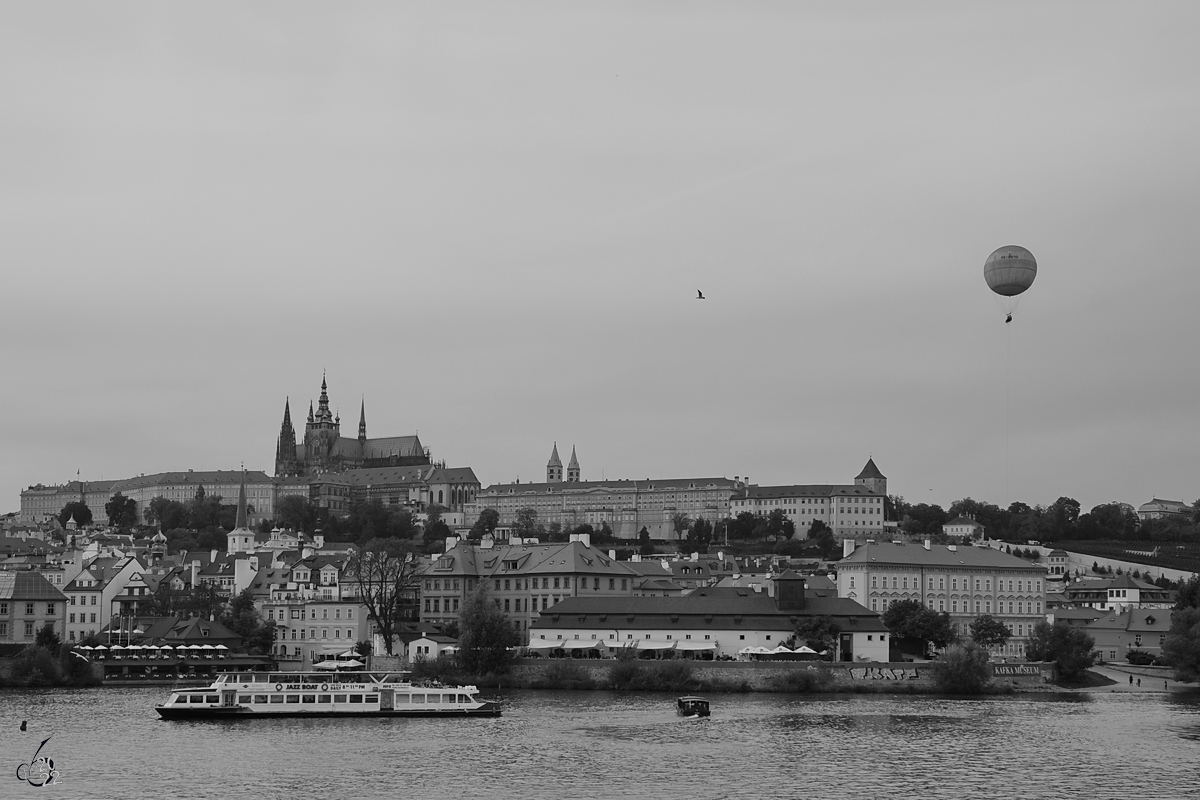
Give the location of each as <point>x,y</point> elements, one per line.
<point>1008,319</point>
<point>699,295</point>
<point>24,722</point>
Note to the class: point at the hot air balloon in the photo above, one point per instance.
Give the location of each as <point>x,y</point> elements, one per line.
<point>1009,271</point>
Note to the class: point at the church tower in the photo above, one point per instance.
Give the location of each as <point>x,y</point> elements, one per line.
<point>321,432</point>
<point>554,470</point>
<point>871,478</point>
<point>573,467</point>
<point>241,538</point>
<point>286,464</point>
<point>362,422</point>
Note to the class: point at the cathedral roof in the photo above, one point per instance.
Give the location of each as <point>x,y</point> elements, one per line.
<point>554,461</point>
<point>574,464</point>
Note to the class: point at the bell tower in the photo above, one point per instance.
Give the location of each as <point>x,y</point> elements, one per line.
<point>554,468</point>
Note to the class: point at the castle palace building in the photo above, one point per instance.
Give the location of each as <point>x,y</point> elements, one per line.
<point>324,449</point>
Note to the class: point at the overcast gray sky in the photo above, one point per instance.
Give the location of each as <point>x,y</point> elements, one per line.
<point>492,219</point>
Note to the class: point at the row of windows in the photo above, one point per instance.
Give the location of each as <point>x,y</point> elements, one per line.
<point>71,618</point>
<point>298,613</point>
<point>83,601</point>
<point>51,608</point>
<point>437,604</point>
<point>526,584</point>
<point>4,629</point>
<point>901,582</point>
<point>1019,607</point>
<point>312,633</point>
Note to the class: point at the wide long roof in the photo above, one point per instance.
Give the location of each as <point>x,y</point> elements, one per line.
<point>27,586</point>
<point>937,556</point>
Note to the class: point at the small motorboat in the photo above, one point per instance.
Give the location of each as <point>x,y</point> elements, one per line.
<point>692,707</point>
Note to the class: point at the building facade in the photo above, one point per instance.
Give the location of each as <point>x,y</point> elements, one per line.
<point>965,582</point>
<point>851,510</point>
<point>720,622</point>
<point>27,603</point>
<point>626,506</point>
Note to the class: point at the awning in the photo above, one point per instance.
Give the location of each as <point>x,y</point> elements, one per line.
<point>544,645</point>
<point>646,644</point>
<point>695,646</point>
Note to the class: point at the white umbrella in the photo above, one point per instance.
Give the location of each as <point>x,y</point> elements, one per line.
<point>350,663</point>
<point>84,647</point>
<point>348,654</point>
<point>100,647</point>
<point>207,647</point>
<point>806,649</point>
<point>782,649</point>
<point>221,647</point>
<point>325,665</point>
<point>451,649</point>
<point>745,651</point>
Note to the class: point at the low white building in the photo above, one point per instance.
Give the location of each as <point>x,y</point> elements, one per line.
<point>708,622</point>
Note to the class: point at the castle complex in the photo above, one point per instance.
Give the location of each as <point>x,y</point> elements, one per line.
<point>324,449</point>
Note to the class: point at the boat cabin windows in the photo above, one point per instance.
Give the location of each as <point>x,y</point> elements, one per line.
<point>323,698</point>
<point>309,698</point>
<point>212,698</point>
<point>293,698</point>
<point>356,698</point>
<point>260,698</point>
<point>276,698</point>
<point>339,698</point>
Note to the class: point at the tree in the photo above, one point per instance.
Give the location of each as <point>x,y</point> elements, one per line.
<point>909,619</point>
<point>488,520</point>
<point>387,572</point>
<point>166,514</point>
<point>242,618</point>
<point>1181,647</point>
<point>1069,647</point>
<point>484,635</point>
<point>527,523</point>
<point>699,535</point>
<point>818,632</point>
<point>121,511</point>
<point>297,513</point>
<point>78,509</point>
<point>742,527</point>
<point>822,535</point>
<point>963,669</point>
<point>645,548</point>
<point>47,638</point>
<point>680,522</point>
<point>988,632</point>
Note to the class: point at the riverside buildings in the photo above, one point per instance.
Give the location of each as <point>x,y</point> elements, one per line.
<point>708,622</point>
<point>27,603</point>
<point>966,582</point>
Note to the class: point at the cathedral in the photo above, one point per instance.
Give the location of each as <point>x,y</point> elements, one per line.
<point>324,449</point>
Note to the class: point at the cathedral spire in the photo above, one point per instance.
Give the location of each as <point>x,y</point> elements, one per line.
<point>310,413</point>
<point>285,450</point>
<point>362,421</point>
<point>323,414</point>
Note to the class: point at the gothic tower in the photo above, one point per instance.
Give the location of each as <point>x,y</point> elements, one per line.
<point>321,432</point>
<point>362,422</point>
<point>871,478</point>
<point>573,468</point>
<point>554,470</point>
<point>286,464</point>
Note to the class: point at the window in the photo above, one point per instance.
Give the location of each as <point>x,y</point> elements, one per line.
<point>50,609</point>
<point>71,619</point>
<point>29,629</point>
<point>93,599</point>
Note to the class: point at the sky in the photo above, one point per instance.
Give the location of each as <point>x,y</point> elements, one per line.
<point>491,221</point>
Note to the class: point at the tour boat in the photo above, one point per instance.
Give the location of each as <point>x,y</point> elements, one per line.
<point>321,694</point>
<point>691,707</point>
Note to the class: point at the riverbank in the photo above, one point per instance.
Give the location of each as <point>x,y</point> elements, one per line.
<point>735,677</point>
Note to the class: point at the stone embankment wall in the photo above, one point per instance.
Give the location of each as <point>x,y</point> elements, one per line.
<point>759,675</point>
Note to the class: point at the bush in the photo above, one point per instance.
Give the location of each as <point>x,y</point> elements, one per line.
<point>802,681</point>
<point>1139,658</point>
<point>35,666</point>
<point>441,669</point>
<point>662,676</point>
<point>962,669</point>
<point>562,674</point>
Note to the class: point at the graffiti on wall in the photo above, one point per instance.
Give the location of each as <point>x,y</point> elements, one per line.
<point>883,674</point>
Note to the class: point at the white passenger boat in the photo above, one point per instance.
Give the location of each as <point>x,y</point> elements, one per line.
<point>321,694</point>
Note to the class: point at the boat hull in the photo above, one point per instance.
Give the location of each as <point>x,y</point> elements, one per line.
<point>488,709</point>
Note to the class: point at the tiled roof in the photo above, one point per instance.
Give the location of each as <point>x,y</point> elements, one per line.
<point>232,477</point>
<point>869,471</point>
<point>807,490</point>
<point>666,485</point>
<point>27,586</point>
<point>937,556</point>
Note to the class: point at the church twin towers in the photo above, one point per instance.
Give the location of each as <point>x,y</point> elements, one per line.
<point>554,467</point>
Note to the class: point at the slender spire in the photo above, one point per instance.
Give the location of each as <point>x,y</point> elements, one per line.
<point>574,462</point>
<point>241,511</point>
<point>573,467</point>
<point>554,461</point>
<point>310,412</point>
<point>287,412</point>
<point>362,420</point>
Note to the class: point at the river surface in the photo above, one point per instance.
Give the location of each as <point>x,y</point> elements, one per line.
<point>109,743</point>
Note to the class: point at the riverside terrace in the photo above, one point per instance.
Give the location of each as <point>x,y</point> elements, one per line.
<point>140,663</point>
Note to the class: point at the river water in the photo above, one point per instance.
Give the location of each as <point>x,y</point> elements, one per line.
<point>109,743</point>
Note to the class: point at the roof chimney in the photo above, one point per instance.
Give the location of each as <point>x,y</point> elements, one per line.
<point>926,544</point>
<point>847,547</point>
